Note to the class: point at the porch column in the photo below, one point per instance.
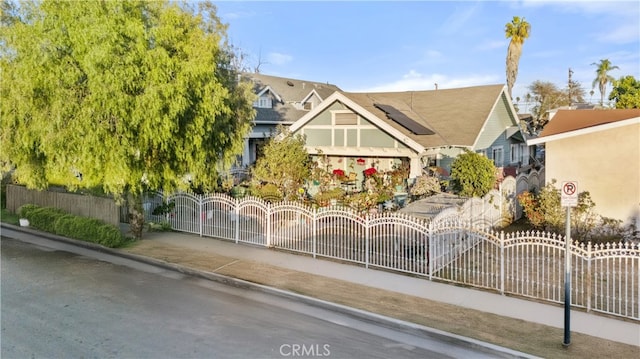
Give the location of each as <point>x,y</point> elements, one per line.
<point>246,158</point>
<point>415,167</point>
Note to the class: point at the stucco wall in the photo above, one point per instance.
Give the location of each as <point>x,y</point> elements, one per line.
<point>605,163</point>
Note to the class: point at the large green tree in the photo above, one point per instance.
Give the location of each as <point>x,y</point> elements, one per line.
<point>126,95</point>
<point>626,92</point>
<point>517,30</point>
<point>603,77</point>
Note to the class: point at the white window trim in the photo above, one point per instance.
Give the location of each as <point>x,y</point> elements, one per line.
<point>493,152</point>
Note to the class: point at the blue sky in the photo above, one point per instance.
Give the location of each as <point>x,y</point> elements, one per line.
<point>369,46</point>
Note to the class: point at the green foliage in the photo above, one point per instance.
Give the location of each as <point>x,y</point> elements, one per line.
<point>269,192</point>
<point>324,198</point>
<point>626,92</point>
<point>164,208</point>
<point>285,163</point>
<point>125,95</point>
<point>8,217</point>
<point>54,220</point>
<point>26,209</point>
<point>472,175</point>
<point>602,77</point>
<point>44,218</point>
<point>544,212</point>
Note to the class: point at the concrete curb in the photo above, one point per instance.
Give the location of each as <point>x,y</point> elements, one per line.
<point>363,315</point>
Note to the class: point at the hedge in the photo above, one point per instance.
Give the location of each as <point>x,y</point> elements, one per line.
<point>57,221</point>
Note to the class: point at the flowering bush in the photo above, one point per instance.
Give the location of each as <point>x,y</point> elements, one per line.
<point>370,172</point>
<point>425,186</point>
<point>338,173</point>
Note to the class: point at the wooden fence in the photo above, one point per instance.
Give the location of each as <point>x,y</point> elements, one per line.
<point>102,208</point>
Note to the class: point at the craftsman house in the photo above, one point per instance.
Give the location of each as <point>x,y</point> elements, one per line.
<point>417,129</point>
<point>280,101</point>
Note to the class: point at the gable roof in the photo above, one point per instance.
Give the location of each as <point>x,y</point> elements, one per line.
<point>290,90</point>
<point>566,122</point>
<point>456,116</point>
<point>286,92</point>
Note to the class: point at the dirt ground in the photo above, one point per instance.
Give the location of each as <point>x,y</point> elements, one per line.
<point>536,339</point>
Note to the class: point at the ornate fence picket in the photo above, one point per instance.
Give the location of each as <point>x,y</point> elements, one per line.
<point>453,247</point>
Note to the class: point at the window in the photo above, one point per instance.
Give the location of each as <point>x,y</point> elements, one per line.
<point>263,102</point>
<point>515,153</point>
<point>345,118</point>
<point>496,152</point>
<point>308,106</point>
<point>524,150</point>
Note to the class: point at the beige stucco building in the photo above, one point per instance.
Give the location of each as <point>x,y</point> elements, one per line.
<point>600,149</point>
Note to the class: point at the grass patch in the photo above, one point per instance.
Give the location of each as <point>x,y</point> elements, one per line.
<point>9,217</point>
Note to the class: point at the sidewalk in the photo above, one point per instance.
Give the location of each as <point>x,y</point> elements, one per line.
<point>522,325</point>
<point>527,310</point>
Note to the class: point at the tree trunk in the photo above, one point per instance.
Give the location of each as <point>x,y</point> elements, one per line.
<point>136,215</point>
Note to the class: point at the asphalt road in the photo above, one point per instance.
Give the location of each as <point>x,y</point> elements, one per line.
<point>57,304</point>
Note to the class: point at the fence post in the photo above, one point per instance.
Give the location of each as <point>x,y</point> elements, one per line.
<point>589,278</point>
<point>268,239</point>
<point>236,211</point>
<point>366,241</point>
<point>314,234</point>
<point>431,250</point>
<point>502,262</point>
<point>202,214</point>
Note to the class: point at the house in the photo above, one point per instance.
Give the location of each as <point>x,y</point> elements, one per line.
<point>417,129</point>
<point>600,150</point>
<point>280,101</point>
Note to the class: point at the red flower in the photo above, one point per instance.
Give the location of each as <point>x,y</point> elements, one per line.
<point>370,171</point>
<point>338,172</point>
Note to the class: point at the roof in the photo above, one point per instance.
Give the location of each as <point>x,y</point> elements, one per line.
<point>571,120</point>
<point>455,115</point>
<point>290,89</point>
<point>287,90</point>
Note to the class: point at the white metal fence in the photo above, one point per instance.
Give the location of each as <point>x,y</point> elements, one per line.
<point>529,264</point>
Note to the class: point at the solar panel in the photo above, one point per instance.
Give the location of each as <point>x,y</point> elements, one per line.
<point>403,120</point>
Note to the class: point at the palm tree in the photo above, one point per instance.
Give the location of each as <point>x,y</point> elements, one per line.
<point>517,30</point>
<point>603,77</point>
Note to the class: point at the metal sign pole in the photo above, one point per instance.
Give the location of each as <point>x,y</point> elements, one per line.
<point>568,199</point>
<point>567,282</point>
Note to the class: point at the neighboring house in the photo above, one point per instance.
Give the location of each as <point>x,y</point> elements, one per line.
<point>415,128</point>
<point>600,149</point>
<point>280,101</point>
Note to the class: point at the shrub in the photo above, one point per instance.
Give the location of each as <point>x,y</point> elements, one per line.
<point>44,218</point>
<point>54,220</point>
<point>472,174</point>
<point>25,209</point>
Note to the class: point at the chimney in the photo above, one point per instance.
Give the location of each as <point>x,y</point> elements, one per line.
<point>303,84</point>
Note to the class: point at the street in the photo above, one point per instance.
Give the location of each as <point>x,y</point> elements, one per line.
<point>57,304</point>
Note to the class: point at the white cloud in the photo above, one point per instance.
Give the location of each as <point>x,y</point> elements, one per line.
<point>415,81</point>
<point>623,34</point>
<point>278,59</point>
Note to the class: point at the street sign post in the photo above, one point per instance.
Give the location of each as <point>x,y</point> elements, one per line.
<point>568,199</point>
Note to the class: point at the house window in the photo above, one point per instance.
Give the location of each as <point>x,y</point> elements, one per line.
<point>308,106</point>
<point>345,118</point>
<point>524,150</point>
<point>497,156</point>
<point>263,102</point>
<point>515,153</point>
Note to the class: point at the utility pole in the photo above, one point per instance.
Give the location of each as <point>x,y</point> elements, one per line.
<point>570,86</point>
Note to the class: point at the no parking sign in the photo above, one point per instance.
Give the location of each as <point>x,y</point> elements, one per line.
<point>569,196</point>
